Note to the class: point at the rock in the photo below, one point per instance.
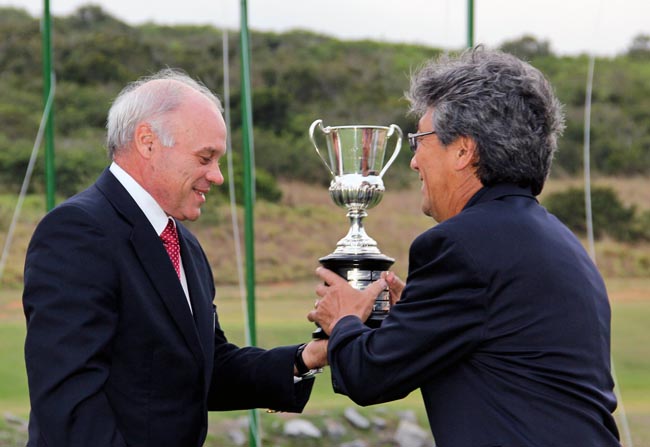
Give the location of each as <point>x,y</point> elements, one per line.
<point>237,436</point>
<point>242,422</point>
<point>379,423</point>
<point>334,429</point>
<point>355,443</point>
<point>356,419</point>
<point>301,428</point>
<point>19,423</point>
<point>408,415</point>
<point>409,434</point>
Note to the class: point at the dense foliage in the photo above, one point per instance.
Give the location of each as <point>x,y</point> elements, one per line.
<point>610,216</point>
<point>296,78</point>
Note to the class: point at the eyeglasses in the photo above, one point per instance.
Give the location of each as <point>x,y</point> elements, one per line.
<point>414,139</point>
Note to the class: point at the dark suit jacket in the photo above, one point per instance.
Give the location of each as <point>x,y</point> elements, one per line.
<point>504,325</point>
<point>114,356</point>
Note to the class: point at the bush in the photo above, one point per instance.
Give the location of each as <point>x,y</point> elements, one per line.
<point>266,185</point>
<point>641,226</point>
<point>610,216</point>
<point>78,169</point>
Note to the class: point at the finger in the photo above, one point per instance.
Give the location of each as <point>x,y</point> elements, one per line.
<point>398,284</point>
<point>375,288</point>
<point>311,316</point>
<point>328,276</point>
<point>394,281</point>
<point>321,290</point>
<point>395,286</point>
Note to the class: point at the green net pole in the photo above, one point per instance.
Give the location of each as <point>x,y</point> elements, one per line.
<point>50,171</point>
<point>249,195</point>
<point>470,23</point>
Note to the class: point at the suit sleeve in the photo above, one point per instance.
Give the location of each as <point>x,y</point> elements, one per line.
<point>252,377</point>
<point>439,319</point>
<point>70,308</point>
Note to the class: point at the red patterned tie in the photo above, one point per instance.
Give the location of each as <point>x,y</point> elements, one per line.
<point>169,238</point>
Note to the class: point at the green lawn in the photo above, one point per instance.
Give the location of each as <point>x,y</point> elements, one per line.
<point>281,311</point>
<point>13,382</point>
<point>631,356</point>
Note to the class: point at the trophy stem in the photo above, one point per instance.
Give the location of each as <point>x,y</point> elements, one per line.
<point>357,240</point>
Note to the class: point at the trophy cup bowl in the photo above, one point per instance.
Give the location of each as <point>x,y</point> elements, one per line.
<point>355,159</point>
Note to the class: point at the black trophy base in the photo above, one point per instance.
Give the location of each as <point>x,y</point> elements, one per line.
<point>360,270</point>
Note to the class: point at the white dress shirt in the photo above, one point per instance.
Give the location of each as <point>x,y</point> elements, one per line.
<point>155,214</point>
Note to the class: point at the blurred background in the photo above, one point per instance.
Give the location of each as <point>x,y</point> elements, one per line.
<point>345,63</point>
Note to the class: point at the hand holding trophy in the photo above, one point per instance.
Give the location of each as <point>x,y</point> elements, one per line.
<point>355,158</point>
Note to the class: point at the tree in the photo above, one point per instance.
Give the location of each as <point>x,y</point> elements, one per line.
<point>610,215</point>
<point>527,47</point>
<point>640,47</point>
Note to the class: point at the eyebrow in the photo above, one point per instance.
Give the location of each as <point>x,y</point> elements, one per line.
<point>209,149</point>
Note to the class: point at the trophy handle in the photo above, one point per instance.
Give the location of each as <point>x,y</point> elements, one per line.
<point>398,146</point>
<point>319,123</point>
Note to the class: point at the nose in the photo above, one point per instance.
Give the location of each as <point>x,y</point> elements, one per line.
<point>214,175</point>
<point>414,163</point>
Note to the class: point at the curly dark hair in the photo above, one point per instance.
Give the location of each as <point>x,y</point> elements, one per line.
<point>506,105</point>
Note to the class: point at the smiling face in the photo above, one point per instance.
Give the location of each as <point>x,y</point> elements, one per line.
<point>448,173</point>
<point>432,162</point>
<point>180,176</point>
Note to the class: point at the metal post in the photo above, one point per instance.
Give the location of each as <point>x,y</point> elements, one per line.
<point>470,23</point>
<point>249,195</point>
<point>50,171</point>
<point>587,159</point>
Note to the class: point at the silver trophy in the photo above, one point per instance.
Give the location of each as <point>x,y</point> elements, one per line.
<point>355,158</point>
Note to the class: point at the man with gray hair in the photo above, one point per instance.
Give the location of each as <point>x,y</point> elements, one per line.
<point>124,346</point>
<point>504,321</point>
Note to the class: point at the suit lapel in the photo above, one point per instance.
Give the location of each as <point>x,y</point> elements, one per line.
<point>200,294</point>
<point>154,260</point>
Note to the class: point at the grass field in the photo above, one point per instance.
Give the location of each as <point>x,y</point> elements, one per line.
<point>289,239</point>
<point>281,319</point>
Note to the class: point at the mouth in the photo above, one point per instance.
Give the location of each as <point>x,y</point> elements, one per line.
<point>201,194</point>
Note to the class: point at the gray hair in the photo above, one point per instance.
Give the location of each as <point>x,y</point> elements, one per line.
<point>135,104</point>
<point>503,103</point>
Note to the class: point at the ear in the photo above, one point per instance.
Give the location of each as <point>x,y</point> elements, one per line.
<point>144,138</point>
<point>465,153</point>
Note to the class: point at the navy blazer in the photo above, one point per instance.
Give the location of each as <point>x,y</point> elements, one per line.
<point>504,326</point>
<point>114,355</point>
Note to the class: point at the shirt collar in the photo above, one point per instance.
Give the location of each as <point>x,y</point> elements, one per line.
<point>497,191</point>
<point>154,213</point>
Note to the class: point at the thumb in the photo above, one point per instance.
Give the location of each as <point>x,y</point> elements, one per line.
<point>375,288</point>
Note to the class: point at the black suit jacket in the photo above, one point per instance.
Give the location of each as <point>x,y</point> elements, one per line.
<point>114,355</point>
<point>504,325</point>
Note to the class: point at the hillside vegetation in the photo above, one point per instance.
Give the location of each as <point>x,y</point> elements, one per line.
<point>291,235</point>
<point>296,78</point>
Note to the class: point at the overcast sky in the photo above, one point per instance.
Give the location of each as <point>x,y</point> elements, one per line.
<point>572,26</point>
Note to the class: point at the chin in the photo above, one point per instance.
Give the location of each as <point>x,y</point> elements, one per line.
<point>427,211</point>
<point>191,215</point>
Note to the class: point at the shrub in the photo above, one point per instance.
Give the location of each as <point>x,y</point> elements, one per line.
<point>610,216</point>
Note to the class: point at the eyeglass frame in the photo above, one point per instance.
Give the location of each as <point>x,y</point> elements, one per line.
<point>413,139</point>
